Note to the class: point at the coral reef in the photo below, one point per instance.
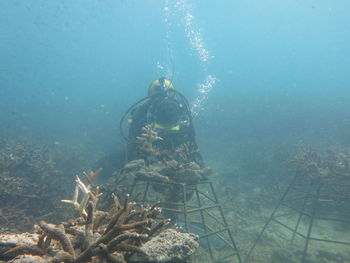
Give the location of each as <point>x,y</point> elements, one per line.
<point>167,171</point>
<point>163,164</point>
<point>169,176</point>
<point>153,148</point>
<point>15,155</point>
<point>29,184</point>
<point>95,236</point>
<point>333,165</point>
<point>169,166</point>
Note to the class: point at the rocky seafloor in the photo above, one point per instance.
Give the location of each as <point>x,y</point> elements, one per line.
<point>33,182</point>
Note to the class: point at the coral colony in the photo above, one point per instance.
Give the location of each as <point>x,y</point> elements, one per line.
<point>115,236</point>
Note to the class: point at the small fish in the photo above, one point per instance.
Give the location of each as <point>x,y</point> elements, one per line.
<point>326,200</point>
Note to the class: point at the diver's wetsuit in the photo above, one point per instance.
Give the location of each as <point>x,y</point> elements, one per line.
<point>144,114</point>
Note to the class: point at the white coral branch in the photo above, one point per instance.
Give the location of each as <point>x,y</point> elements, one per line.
<point>85,189</point>
<point>86,194</point>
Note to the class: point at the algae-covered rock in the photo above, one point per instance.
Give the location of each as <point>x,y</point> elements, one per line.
<point>170,246</point>
<point>21,239</point>
<point>9,241</point>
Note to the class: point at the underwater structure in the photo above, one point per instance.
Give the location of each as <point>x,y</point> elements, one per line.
<point>315,206</point>
<point>185,194</point>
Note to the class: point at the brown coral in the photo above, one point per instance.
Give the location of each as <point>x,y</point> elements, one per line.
<point>29,184</point>
<point>328,166</point>
<point>111,236</point>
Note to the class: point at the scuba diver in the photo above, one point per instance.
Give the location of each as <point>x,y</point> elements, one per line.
<point>166,111</point>
<point>163,123</point>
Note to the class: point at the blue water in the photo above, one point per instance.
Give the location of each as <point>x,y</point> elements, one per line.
<point>69,69</point>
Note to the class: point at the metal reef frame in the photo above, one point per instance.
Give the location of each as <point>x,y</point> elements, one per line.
<point>196,211</point>
<point>310,194</point>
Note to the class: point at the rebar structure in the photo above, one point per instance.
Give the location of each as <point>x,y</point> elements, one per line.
<point>313,211</point>
<point>196,209</point>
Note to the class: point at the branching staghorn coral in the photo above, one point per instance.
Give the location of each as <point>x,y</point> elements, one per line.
<point>85,190</point>
<point>147,139</point>
<point>97,236</point>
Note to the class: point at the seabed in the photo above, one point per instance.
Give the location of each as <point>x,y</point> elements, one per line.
<point>247,205</point>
